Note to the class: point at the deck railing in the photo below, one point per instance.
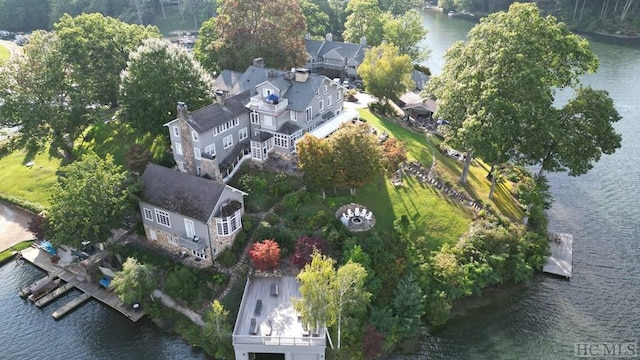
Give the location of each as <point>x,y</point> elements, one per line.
<point>258,103</point>
<point>280,341</point>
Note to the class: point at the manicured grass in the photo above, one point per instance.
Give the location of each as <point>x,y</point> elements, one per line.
<point>4,53</point>
<point>115,138</point>
<point>33,183</point>
<point>174,22</point>
<point>421,148</point>
<point>7,254</point>
<point>30,183</point>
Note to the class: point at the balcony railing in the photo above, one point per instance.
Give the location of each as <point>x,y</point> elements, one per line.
<point>281,341</point>
<point>193,243</point>
<point>258,103</point>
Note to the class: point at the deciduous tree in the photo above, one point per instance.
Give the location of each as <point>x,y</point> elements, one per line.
<point>315,287</point>
<point>248,29</point>
<point>385,73</point>
<point>135,282</point>
<point>356,155</point>
<point>265,255</point>
<point>158,75</point>
<point>96,49</point>
<point>137,158</point>
<point>406,32</point>
<point>315,157</point>
<point>91,198</point>
<point>497,92</point>
<point>364,20</point>
<point>317,20</point>
<point>204,49</point>
<point>217,331</point>
<point>349,294</point>
<point>305,248</point>
<point>394,153</point>
<point>399,7</point>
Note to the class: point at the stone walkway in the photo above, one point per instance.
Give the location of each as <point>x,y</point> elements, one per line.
<point>169,302</point>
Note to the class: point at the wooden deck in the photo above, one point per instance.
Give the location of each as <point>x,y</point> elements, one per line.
<point>560,262</point>
<point>42,260</point>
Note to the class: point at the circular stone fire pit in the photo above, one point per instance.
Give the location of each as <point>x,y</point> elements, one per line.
<point>356,217</point>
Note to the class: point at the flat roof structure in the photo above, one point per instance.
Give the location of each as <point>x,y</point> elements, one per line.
<point>268,324</point>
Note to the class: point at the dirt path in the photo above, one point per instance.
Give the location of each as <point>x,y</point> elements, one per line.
<point>14,224</point>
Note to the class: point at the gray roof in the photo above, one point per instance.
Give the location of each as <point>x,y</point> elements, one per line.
<point>300,94</point>
<point>189,195</point>
<point>216,114</point>
<point>346,50</point>
<point>288,128</point>
<point>252,77</point>
<point>227,79</point>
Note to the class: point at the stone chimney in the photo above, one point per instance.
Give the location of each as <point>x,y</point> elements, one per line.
<point>301,75</point>
<point>258,62</point>
<point>363,41</point>
<point>185,139</point>
<point>329,37</point>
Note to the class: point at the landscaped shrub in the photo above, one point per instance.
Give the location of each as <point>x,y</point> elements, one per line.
<point>319,219</point>
<point>227,258</point>
<point>272,219</point>
<point>182,283</point>
<point>239,243</point>
<point>265,255</point>
<point>305,246</point>
<point>247,223</point>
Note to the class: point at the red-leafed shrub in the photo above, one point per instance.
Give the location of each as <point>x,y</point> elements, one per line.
<point>265,255</point>
<point>304,250</point>
<point>373,343</point>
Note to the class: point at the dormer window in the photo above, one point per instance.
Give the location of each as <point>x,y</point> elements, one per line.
<point>194,135</point>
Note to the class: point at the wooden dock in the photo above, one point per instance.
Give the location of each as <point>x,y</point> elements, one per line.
<point>56,293</point>
<point>42,260</point>
<point>560,262</point>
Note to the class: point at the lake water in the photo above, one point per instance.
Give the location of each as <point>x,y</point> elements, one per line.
<point>540,321</point>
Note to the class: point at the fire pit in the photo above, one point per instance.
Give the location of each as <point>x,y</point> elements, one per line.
<point>356,220</point>
<point>356,217</point>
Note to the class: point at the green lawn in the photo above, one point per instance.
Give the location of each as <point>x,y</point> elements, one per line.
<point>7,254</point>
<point>32,183</point>
<point>449,169</point>
<point>4,53</point>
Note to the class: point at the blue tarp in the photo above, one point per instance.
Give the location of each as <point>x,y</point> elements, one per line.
<point>48,247</point>
<point>105,282</point>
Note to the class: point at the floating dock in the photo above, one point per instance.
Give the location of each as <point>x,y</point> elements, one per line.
<point>560,262</point>
<point>42,260</point>
<point>66,308</point>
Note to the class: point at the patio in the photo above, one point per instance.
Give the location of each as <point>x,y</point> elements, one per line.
<point>356,217</point>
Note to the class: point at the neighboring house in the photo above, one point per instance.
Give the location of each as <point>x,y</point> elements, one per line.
<point>335,59</point>
<point>262,111</point>
<point>189,215</point>
<point>268,327</point>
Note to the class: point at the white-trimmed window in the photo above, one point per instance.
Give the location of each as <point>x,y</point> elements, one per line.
<point>243,134</point>
<point>321,105</point>
<point>307,114</point>
<point>255,118</point>
<point>229,225</point>
<point>326,89</point>
<point>162,218</point>
<point>178,148</point>
<point>268,120</point>
<point>176,131</point>
<point>338,95</point>
<point>201,254</point>
<point>194,135</point>
<point>180,165</point>
<point>198,171</point>
<point>293,115</point>
<point>148,214</point>
<point>227,141</point>
<point>318,93</point>
<point>281,140</point>
<point>196,153</point>
<point>173,240</point>
<point>210,149</point>
<point>329,102</point>
<point>266,92</point>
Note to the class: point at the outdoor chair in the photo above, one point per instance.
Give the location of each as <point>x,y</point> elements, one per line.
<point>350,213</point>
<point>357,212</point>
